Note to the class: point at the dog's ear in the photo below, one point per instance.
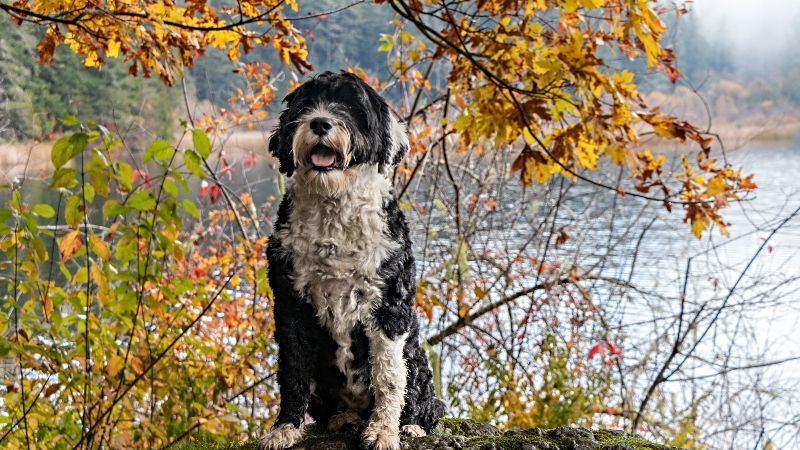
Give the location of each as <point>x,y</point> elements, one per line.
<point>281,146</point>
<point>285,165</point>
<point>282,151</point>
<point>392,142</point>
<point>400,145</point>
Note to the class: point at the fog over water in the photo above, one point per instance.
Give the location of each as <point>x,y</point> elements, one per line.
<point>757,30</point>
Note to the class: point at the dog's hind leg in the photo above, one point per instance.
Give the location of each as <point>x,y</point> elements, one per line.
<point>413,431</point>
<point>343,420</point>
<point>389,385</point>
<point>430,410</point>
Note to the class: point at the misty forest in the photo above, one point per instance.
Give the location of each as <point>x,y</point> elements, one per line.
<point>601,196</point>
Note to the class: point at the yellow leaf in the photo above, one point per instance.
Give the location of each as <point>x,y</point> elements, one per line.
<point>698,226</point>
<point>587,156</point>
<point>114,365</point>
<point>113,48</point>
<point>617,154</point>
<point>99,247</point>
<point>526,134</point>
<point>103,292</point>
<point>715,186</point>
<point>541,170</point>
<point>91,60</point>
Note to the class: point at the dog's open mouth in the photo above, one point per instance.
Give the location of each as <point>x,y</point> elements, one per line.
<point>324,158</point>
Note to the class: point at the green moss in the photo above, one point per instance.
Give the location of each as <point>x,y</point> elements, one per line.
<point>465,434</point>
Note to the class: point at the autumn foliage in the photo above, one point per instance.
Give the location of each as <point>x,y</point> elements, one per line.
<point>134,318</point>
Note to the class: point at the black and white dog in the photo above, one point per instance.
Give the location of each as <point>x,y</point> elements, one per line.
<point>342,272</point>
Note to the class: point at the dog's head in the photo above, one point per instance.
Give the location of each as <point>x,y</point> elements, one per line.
<point>333,124</point>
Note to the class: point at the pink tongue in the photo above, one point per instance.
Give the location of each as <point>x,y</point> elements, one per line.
<point>320,160</point>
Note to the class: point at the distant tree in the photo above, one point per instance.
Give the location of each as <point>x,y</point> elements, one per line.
<point>37,95</point>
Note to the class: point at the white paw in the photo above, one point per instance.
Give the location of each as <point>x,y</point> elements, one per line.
<point>381,437</point>
<point>281,437</point>
<point>343,420</point>
<point>413,431</point>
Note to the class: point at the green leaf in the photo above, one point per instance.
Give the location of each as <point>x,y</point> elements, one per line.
<point>16,201</point>
<point>113,208</point>
<point>125,176</point>
<point>62,177</point>
<point>170,188</point>
<point>190,207</point>
<point>142,200</point>
<point>61,153</point>
<point>39,248</point>
<point>64,271</point>
<point>201,143</point>
<point>31,224</point>
<point>99,183</point>
<point>43,210</point>
<point>159,149</point>
<point>70,120</point>
<point>5,213</point>
<point>461,257</point>
<point>88,192</point>
<point>193,163</point>
<point>79,142</point>
<point>179,178</point>
<point>74,211</point>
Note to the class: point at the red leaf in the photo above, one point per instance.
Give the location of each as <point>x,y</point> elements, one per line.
<point>614,350</point>
<point>597,349</point>
<point>203,188</point>
<point>215,194</point>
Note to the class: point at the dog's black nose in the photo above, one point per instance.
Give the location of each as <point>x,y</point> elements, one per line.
<point>321,125</point>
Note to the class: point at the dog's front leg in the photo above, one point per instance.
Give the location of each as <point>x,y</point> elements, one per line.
<point>295,354</point>
<point>294,325</point>
<point>389,385</point>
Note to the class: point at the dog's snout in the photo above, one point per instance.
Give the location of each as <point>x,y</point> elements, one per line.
<point>321,125</point>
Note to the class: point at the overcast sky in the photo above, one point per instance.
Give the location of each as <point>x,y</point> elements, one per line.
<point>753,26</point>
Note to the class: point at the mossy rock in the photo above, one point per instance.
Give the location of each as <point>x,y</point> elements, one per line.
<point>465,434</point>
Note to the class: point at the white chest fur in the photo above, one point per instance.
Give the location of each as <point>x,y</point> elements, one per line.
<point>337,244</point>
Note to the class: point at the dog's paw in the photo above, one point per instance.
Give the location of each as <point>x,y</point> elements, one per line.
<point>412,431</point>
<point>378,436</point>
<point>344,420</point>
<point>281,437</point>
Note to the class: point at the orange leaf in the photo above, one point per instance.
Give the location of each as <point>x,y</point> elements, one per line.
<point>69,245</point>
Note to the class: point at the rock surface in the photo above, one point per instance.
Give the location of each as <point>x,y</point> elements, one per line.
<point>464,434</point>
